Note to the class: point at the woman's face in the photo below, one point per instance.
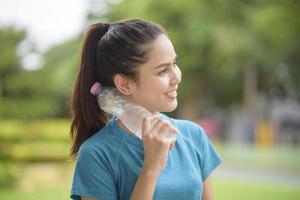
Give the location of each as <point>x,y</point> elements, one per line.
<point>158,78</point>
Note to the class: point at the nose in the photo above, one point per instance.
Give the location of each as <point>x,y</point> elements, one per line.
<point>176,76</point>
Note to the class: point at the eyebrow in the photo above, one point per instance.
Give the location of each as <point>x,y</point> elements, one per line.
<point>164,64</point>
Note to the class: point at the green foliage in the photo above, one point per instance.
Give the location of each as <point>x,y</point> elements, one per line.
<point>38,130</point>
<point>42,93</point>
<point>46,140</point>
<point>10,63</point>
<point>216,40</point>
<point>9,174</point>
<point>61,64</point>
<point>31,141</point>
<point>45,194</point>
<point>9,60</point>
<point>35,151</point>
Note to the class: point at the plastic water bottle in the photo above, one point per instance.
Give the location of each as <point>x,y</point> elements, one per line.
<point>131,115</point>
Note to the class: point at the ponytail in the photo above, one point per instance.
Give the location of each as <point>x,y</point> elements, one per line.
<point>87,117</point>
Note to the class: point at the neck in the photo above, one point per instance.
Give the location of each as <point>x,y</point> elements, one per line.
<point>124,127</point>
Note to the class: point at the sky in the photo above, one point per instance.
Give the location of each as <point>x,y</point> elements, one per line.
<point>48,22</point>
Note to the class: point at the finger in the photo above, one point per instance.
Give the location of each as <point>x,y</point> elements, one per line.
<point>168,130</point>
<point>165,128</point>
<point>173,129</point>
<point>165,134</point>
<point>171,146</point>
<point>157,126</point>
<point>147,124</point>
<point>171,136</point>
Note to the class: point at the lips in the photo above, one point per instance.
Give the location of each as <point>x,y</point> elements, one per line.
<point>172,94</point>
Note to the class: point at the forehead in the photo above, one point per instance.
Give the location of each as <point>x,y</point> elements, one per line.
<point>161,50</point>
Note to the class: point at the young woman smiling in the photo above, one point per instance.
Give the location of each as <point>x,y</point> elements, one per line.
<point>138,59</point>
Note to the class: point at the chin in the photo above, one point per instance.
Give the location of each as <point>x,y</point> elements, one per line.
<point>170,108</point>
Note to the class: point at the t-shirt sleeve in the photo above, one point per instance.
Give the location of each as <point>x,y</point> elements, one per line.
<point>92,176</point>
<point>210,158</point>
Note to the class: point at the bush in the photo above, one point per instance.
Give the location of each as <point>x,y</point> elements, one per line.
<point>45,130</point>
<point>9,174</point>
<point>44,140</point>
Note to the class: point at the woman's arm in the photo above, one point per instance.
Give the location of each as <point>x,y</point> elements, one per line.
<point>156,148</point>
<point>207,190</point>
<point>145,185</point>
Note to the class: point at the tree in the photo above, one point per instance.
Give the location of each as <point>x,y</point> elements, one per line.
<point>42,93</point>
<point>10,62</point>
<point>218,40</point>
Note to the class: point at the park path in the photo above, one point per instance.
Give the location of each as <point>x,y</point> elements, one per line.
<point>263,176</point>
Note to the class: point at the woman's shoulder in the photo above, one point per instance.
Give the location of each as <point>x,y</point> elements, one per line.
<point>182,123</point>
<point>186,127</point>
<point>104,140</point>
<point>190,132</point>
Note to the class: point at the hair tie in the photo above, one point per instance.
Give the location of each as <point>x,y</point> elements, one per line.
<point>96,89</point>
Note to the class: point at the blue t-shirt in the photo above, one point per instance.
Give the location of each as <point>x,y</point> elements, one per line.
<point>110,161</point>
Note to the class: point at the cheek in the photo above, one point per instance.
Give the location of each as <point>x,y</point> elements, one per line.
<point>161,85</point>
<point>154,91</point>
<point>156,85</point>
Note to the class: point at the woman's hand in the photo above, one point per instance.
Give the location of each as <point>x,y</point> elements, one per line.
<point>156,148</point>
<point>156,143</point>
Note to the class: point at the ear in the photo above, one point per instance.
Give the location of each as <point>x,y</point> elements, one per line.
<point>124,84</point>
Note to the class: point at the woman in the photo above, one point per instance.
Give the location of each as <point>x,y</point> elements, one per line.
<point>137,58</point>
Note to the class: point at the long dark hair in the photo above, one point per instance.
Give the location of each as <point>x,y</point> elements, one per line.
<point>108,49</point>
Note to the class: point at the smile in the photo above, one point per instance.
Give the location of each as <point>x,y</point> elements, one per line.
<point>172,94</point>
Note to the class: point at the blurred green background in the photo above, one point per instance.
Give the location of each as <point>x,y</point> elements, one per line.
<point>240,64</point>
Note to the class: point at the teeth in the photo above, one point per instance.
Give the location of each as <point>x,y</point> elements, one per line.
<point>172,94</point>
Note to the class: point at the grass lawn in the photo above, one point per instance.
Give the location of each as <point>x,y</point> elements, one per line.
<point>45,194</point>
<point>224,189</point>
<point>39,176</point>
<point>229,189</point>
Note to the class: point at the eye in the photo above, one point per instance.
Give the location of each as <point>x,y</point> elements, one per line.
<point>163,71</point>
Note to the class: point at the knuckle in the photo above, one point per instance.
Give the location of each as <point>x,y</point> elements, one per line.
<point>164,121</point>
<point>167,123</point>
<point>145,121</point>
<point>149,136</point>
<point>165,142</point>
<point>146,118</point>
<point>165,127</point>
<point>160,121</point>
<point>158,140</point>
